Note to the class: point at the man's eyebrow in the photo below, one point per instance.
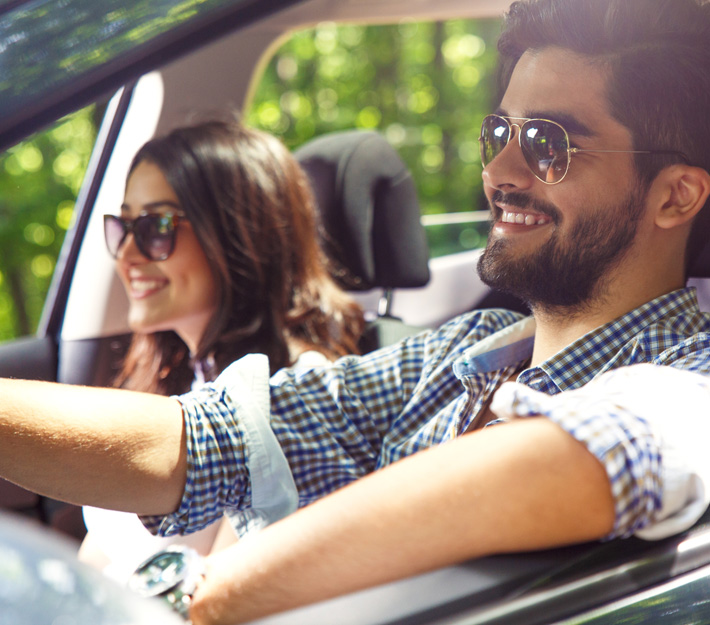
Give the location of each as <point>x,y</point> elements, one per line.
<point>570,123</point>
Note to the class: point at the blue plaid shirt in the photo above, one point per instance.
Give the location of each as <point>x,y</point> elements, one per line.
<point>337,423</point>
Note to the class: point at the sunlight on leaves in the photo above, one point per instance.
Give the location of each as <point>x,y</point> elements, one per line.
<point>42,266</point>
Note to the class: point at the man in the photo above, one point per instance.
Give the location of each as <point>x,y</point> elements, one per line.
<point>596,169</point>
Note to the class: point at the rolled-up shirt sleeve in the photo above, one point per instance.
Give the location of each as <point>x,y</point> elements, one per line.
<point>648,426</point>
<point>234,463</point>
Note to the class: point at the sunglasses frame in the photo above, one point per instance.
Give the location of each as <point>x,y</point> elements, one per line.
<point>570,150</point>
<point>128,226</point>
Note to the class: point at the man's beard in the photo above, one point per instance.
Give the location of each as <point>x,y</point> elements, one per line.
<point>568,274</point>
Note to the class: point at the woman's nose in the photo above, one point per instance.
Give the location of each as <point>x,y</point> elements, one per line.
<point>128,250</point>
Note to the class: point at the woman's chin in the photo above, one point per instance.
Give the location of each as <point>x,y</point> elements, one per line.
<point>142,325</point>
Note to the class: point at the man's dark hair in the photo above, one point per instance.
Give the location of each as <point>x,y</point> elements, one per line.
<point>658,52</point>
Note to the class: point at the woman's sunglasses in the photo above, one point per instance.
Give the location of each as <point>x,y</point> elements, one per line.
<point>544,144</point>
<point>154,233</point>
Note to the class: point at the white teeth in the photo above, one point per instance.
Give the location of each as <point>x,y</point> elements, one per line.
<point>144,285</point>
<point>523,218</point>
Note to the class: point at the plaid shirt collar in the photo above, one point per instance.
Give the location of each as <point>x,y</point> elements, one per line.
<point>649,327</point>
<point>596,351</point>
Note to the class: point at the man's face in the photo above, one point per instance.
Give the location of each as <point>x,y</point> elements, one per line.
<point>558,245</point>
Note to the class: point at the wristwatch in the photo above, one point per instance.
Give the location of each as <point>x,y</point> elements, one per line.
<point>172,575</point>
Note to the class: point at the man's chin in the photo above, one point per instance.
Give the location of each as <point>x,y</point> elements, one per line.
<point>494,264</point>
<point>539,284</point>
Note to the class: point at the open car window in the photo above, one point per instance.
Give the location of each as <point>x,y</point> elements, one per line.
<point>40,179</point>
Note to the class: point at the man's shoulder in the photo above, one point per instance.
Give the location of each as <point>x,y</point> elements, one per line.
<point>678,335</point>
<point>498,317</point>
<point>691,353</point>
<point>477,324</point>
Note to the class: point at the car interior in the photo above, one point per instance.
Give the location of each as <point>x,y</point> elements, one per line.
<point>375,235</point>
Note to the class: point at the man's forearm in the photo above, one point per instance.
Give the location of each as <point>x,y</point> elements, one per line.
<point>103,447</point>
<point>521,486</point>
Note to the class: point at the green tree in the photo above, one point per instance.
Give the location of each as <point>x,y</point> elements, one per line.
<point>39,182</point>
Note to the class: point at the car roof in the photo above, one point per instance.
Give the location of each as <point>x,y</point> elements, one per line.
<point>92,47</point>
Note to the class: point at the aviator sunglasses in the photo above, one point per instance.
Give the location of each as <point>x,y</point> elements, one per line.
<point>154,233</point>
<point>545,145</point>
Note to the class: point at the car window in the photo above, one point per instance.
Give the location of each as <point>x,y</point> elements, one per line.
<point>40,179</point>
<point>425,85</point>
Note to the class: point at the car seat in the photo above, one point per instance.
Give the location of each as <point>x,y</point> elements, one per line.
<point>371,220</point>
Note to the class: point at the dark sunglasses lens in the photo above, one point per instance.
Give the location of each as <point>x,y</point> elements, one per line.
<point>545,148</point>
<point>495,134</point>
<point>155,235</point>
<point>114,233</point>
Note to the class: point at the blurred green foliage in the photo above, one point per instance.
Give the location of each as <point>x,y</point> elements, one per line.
<point>39,181</point>
<point>425,85</point>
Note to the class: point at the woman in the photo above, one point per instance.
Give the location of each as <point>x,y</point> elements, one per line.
<point>217,249</point>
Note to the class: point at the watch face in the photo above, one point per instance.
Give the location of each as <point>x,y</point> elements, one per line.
<point>160,573</point>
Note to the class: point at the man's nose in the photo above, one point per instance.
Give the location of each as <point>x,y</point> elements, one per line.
<point>509,168</point>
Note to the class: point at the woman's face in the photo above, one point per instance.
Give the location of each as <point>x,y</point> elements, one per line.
<point>179,293</point>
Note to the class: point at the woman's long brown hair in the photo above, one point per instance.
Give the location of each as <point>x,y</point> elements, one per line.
<point>252,210</point>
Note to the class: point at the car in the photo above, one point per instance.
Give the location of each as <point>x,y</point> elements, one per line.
<point>149,65</point>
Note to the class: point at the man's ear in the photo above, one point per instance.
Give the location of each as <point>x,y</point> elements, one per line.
<point>683,192</point>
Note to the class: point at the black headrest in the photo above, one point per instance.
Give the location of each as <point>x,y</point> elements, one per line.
<point>369,209</point>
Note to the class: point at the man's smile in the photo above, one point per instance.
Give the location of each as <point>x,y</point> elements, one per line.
<point>519,212</point>
<point>524,218</point>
